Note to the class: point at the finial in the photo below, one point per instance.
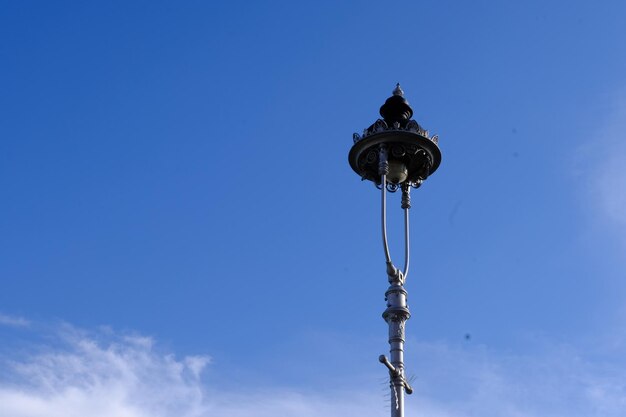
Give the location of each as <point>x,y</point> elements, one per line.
<point>398,91</point>
<point>396,108</point>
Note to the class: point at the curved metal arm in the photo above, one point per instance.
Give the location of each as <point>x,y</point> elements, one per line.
<point>384,216</point>
<point>406,205</point>
<point>383,169</point>
<point>406,243</point>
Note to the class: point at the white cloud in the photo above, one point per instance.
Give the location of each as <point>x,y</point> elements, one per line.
<point>119,376</point>
<point>13,321</point>
<point>108,375</point>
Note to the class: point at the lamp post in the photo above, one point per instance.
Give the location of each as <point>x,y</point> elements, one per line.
<point>395,153</point>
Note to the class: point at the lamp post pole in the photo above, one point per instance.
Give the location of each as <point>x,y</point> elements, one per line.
<point>395,153</point>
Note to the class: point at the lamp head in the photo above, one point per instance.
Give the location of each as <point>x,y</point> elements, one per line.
<point>412,154</point>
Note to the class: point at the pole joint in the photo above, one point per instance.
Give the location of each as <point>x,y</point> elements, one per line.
<point>394,275</point>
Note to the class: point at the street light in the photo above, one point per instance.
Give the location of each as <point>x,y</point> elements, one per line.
<point>395,153</point>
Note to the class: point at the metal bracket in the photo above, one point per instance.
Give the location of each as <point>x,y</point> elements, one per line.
<point>395,374</point>
<point>394,275</point>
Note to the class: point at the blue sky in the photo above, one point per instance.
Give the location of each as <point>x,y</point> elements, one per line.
<point>179,220</point>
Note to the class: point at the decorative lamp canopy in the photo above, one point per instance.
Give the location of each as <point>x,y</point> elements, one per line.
<point>412,153</point>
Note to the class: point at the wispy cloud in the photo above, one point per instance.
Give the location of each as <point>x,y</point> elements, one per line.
<point>101,375</point>
<point>13,321</point>
<point>610,181</point>
<point>601,165</point>
<point>105,374</point>
<point>554,381</point>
